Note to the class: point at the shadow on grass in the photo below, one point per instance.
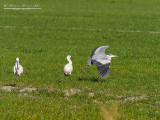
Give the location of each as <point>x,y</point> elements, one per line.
<point>11,84</point>
<point>59,81</point>
<point>93,79</point>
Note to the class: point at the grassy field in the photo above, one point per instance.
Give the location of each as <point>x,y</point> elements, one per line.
<point>43,38</point>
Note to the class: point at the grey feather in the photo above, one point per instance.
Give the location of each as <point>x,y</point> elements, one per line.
<point>101,60</point>
<point>96,62</point>
<point>103,70</point>
<point>89,61</point>
<point>99,50</point>
<point>93,51</point>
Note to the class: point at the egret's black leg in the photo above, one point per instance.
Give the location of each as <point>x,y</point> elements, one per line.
<point>17,80</point>
<point>65,78</point>
<point>69,79</point>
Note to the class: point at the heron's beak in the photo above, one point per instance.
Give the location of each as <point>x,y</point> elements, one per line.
<point>114,56</point>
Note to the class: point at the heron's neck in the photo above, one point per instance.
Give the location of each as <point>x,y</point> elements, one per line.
<point>69,60</point>
<point>109,58</point>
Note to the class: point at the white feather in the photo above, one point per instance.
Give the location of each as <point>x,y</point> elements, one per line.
<point>17,69</point>
<point>68,68</point>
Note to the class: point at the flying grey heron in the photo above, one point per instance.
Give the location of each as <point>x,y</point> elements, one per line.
<point>17,69</point>
<point>68,68</point>
<point>101,60</point>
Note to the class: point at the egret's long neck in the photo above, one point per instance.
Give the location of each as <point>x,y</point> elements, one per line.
<point>69,60</point>
<point>17,65</point>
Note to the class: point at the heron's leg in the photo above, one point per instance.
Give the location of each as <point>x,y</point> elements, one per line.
<point>69,79</point>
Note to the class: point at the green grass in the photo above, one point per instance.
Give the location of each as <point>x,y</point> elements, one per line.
<point>42,39</point>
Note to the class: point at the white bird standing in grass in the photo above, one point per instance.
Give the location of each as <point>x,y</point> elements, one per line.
<point>17,69</point>
<point>68,68</point>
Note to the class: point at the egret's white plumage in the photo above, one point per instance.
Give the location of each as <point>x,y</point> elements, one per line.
<point>68,68</point>
<point>17,69</point>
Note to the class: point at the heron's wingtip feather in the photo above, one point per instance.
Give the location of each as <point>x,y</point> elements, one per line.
<point>103,70</point>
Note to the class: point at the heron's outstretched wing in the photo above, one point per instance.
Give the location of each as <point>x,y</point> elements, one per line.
<point>99,50</point>
<point>93,51</point>
<point>103,70</point>
<point>100,61</point>
<point>103,67</point>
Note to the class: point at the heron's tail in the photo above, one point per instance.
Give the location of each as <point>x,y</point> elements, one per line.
<point>85,67</point>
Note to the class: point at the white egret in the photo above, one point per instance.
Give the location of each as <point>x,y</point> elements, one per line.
<point>17,69</point>
<point>68,68</point>
<point>101,60</point>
